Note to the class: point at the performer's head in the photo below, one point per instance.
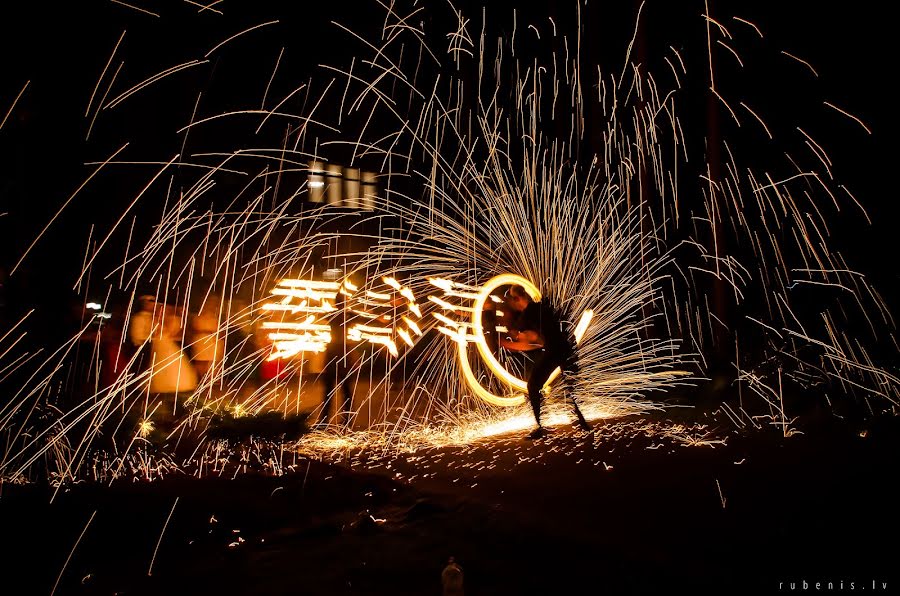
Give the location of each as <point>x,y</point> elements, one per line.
<point>517,298</point>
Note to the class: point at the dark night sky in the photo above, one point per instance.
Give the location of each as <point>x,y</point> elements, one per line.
<point>62,51</point>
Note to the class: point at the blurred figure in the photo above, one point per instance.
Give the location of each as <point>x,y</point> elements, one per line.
<point>142,321</point>
<point>452,579</point>
<point>161,325</point>
<point>139,329</point>
<point>334,375</point>
<point>206,341</point>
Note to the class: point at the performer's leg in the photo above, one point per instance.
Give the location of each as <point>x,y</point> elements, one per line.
<point>582,421</point>
<point>570,368</point>
<point>542,370</point>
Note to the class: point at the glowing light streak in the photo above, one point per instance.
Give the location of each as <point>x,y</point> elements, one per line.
<point>377,303</point>
<point>455,336</point>
<point>295,308</point>
<point>405,336</point>
<point>325,337</point>
<point>447,320</point>
<point>371,329</point>
<point>307,325</point>
<point>473,382</point>
<point>304,293</point>
<point>582,326</point>
<point>312,284</point>
<point>288,348</point>
<point>445,305</point>
<point>385,341</point>
<point>478,330</point>
<point>412,325</point>
<point>313,298</point>
<point>467,295</point>
<point>488,357</point>
<point>444,284</point>
<point>583,323</point>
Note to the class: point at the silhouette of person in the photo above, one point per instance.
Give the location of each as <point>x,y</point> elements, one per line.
<point>208,345</point>
<point>160,324</point>
<point>336,366</point>
<point>140,326</point>
<point>452,579</point>
<point>539,326</point>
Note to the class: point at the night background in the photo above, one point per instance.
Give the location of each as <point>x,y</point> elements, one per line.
<point>678,499</point>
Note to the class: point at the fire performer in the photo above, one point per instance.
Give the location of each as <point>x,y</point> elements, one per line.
<point>537,326</point>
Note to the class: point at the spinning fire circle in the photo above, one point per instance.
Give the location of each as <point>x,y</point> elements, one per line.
<point>518,385</point>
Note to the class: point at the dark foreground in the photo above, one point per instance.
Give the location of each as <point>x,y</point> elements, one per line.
<point>618,512</point>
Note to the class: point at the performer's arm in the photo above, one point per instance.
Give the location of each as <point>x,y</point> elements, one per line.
<point>522,341</point>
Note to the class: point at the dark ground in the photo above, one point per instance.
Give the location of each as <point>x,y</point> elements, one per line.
<point>521,518</point>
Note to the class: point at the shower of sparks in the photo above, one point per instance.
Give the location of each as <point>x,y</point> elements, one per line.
<point>146,428</point>
<point>486,453</point>
<point>480,176</point>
